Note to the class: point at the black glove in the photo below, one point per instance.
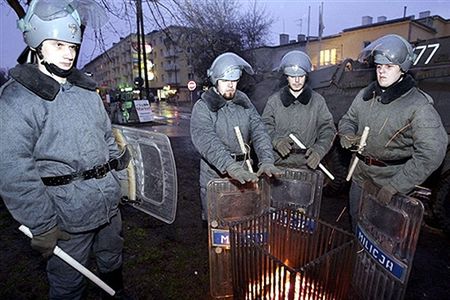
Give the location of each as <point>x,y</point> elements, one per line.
<point>349,140</point>
<point>269,170</point>
<point>313,158</point>
<point>124,158</point>
<point>236,171</point>
<point>283,146</point>
<point>386,193</point>
<point>46,242</point>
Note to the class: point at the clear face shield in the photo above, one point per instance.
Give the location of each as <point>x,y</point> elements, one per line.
<point>58,20</point>
<point>90,12</point>
<point>225,66</point>
<point>295,63</point>
<point>390,49</point>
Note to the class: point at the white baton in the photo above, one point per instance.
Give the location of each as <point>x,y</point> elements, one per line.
<point>73,263</point>
<point>362,144</point>
<point>242,145</point>
<point>300,144</point>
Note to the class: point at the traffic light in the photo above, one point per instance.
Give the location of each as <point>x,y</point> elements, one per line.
<point>138,82</point>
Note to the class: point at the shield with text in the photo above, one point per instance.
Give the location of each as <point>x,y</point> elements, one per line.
<point>387,236</point>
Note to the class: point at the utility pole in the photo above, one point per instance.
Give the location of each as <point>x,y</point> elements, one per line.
<point>138,36</point>
<point>141,38</point>
<point>309,24</point>
<point>144,53</point>
<point>321,27</point>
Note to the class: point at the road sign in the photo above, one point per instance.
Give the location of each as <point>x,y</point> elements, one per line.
<point>191,85</point>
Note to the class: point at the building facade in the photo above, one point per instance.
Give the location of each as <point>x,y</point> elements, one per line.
<point>168,66</point>
<point>169,56</point>
<point>336,48</point>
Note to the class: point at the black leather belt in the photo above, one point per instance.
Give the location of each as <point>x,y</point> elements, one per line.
<point>370,161</point>
<point>298,151</point>
<point>97,172</point>
<point>239,157</point>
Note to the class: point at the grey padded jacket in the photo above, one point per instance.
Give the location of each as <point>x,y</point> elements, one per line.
<point>212,132</point>
<point>403,124</point>
<point>48,129</point>
<point>307,117</point>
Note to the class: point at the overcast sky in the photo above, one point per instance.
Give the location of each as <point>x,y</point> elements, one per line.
<point>291,17</point>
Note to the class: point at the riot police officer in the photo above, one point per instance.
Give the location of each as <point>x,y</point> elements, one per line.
<point>297,109</point>
<point>214,116</point>
<point>407,140</point>
<point>59,166</point>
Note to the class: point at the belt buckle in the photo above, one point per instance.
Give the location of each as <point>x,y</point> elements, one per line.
<point>100,171</point>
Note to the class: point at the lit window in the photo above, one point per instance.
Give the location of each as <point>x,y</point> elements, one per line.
<point>328,57</point>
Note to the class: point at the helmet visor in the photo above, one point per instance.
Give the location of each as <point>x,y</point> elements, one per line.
<point>232,73</point>
<point>91,13</point>
<point>48,10</point>
<point>385,50</point>
<point>294,71</point>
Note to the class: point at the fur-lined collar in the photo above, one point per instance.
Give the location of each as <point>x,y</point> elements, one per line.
<point>45,86</point>
<point>391,93</point>
<point>215,101</point>
<point>287,98</point>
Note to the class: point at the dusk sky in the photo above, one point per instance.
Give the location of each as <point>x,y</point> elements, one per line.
<point>291,17</point>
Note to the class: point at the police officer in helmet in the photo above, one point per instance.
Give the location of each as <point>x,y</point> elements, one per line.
<point>214,116</point>
<point>407,140</point>
<point>297,109</point>
<point>59,170</point>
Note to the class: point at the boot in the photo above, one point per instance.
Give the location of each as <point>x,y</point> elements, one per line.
<point>115,280</point>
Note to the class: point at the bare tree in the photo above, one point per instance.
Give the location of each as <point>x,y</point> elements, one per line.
<point>122,21</point>
<point>212,26</point>
<point>218,26</point>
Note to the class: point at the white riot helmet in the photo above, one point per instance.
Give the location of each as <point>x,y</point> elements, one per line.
<point>50,19</point>
<point>295,63</point>
<point>59,20</point>
<point>390,49</point>
<point>228,66</point>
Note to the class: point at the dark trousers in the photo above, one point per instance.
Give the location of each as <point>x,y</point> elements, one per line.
<point>106,243</point>
<point>354,202</point>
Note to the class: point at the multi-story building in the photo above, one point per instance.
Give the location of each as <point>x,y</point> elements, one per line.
<point>168,64</point>
<point>336,48</point>
<point>169,54</point>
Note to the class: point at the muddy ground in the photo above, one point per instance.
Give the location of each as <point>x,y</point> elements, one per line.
<point>170,261</point>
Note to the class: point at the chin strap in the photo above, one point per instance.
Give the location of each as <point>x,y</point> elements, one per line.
<point>53,69</point>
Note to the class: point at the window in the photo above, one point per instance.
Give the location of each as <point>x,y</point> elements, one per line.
<point>190,76</point>
<point>328,57</point>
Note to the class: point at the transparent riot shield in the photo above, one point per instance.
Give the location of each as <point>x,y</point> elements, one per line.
<point>387,236</point>
<point>229,202</point>
<point>152,178</point>
<point>297,189</point>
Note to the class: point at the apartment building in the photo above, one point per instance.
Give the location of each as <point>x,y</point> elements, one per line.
<point>168,64</point>
<point>168,52</point>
